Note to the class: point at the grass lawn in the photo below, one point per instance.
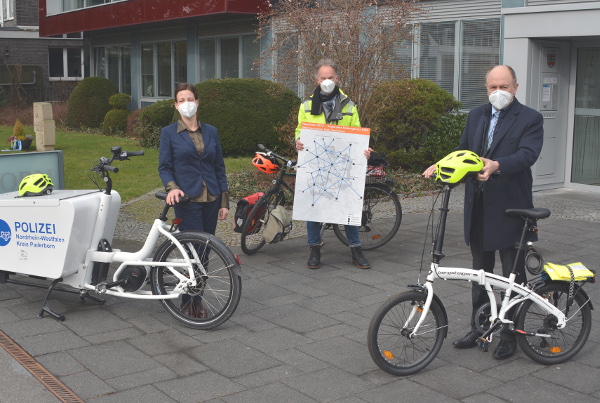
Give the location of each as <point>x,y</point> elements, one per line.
<point>135,177</point>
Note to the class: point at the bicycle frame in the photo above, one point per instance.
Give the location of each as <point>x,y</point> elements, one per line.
<point>487,280</point>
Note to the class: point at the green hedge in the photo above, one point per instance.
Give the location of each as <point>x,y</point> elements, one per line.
<point>406,111</point>
<point>88,103</point>
<point>442,140</point>
<point>407,121</point>
<point>246,112</point>
<point>152,119</point>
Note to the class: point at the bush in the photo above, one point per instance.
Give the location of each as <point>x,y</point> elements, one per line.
<point>18,131</point>
<point>119,101</point>
<point>115,121</point>
<point>246,112</point>
<point>134,124</point>
<point>88,103</point>
<point>442,140</point>
<point>153,118</point>
<point>406,111</point>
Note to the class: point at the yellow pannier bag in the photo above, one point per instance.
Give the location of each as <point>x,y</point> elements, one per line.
<point>561,272</point>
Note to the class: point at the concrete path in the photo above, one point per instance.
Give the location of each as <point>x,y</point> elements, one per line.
<point>298,335</point>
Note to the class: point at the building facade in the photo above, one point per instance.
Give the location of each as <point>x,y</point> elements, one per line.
<point>147,46</point>
<point>49,66</point>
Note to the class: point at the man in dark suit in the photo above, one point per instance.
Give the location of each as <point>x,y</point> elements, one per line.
<point>508,136</point>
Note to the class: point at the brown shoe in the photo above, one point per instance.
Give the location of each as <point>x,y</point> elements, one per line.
<point>199,310</point>
<point>186,308</point>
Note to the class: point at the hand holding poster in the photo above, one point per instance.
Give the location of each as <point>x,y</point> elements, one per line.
<point>330,182</point>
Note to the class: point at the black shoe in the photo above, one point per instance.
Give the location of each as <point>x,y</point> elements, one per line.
<point>314,261</point>
<point>359,259</point>
<point>505,349</point>
<point>469,341</point>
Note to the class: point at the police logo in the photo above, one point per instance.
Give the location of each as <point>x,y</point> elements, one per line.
<point>5,233</point>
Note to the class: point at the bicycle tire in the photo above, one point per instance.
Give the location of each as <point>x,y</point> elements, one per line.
<point>388,337</point>
<point>381,217</point>
<point>220,289</point>
<point>570,339</point>
<point>252,230</point>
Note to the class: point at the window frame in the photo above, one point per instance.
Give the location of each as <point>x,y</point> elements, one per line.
<point>218,54</point>
<point>173,42</point>
<point>458,52</point>
<point>65,76</point>
<point>120,48</point>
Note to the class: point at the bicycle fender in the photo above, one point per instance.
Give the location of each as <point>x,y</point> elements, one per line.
<point>437,299</point>
<point>240,273</point>
<point>576,289</point>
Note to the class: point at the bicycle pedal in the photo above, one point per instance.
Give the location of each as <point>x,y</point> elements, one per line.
<point>483,345</point>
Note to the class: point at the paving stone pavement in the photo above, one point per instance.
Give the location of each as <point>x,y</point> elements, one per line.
<point>298,335</point>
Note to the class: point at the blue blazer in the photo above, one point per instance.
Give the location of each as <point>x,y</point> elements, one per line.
<point>179,161</point>
<point>516,146</point>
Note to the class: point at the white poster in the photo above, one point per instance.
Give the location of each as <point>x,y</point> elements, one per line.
<point>330,181</point>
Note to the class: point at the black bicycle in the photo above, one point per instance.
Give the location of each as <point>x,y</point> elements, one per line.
<point>381,216</point>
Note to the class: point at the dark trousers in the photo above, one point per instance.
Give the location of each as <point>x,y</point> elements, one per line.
<point>485,260</point>
<point>201,217</point>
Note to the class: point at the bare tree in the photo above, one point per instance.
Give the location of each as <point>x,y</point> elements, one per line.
<point>368,40</point>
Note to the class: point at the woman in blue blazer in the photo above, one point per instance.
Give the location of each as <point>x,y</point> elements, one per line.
<point>191,162</point>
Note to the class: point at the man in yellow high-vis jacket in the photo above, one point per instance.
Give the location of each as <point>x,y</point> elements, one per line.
<point>329,105</point>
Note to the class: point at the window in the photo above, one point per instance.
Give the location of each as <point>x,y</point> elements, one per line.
<point>480,51</point>
<point>231,57</point>
<point>8,10</point>
<point>164,65</point>
<point>65,63</point>
<point>250,51</point>
<point>68,5</point>
<point>437,54</point>
<point>459,65</point>
<point>207,55</point>
<point>114,63</point>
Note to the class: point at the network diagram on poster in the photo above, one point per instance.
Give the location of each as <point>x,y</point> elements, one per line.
<point>330,180</point>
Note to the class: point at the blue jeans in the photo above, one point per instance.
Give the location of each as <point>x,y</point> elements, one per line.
<point>313,231</point>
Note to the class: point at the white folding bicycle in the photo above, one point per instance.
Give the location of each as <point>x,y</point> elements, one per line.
<point>551,323</point>
<point>66,237</point>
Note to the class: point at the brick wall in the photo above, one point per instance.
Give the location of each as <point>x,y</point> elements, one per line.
<point>33,52</point>
<point>26,12</point>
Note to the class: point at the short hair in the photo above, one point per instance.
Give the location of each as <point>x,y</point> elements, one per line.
<point>510,69</point>
<point>183,87</point>
<point>326,62</point>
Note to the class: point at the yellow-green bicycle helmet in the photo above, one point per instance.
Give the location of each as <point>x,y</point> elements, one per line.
<point>457,165</point>
<point>36,185</point>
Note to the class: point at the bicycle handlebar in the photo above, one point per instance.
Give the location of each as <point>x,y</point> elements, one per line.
<point>182,200</point>
<point>271,153</point>
<point>111,169</point>
<point>126,154</point>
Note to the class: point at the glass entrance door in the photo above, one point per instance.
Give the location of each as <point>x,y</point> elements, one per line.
<point>586,128</point>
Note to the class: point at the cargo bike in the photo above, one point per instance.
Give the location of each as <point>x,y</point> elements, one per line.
<point>65,236</point>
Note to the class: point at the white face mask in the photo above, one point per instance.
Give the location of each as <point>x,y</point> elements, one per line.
<point>500,99</point>
<point>187,109</point>
<point>327,86</point>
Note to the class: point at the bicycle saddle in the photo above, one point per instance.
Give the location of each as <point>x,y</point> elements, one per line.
<point>536,213</point>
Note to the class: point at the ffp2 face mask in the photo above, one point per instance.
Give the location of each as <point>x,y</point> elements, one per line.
<point>500,99</point>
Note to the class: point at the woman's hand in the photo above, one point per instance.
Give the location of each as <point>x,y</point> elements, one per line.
<point>173,196</point>
<point>299,145</point>
<point>368,152</point>
<point>223,213</point>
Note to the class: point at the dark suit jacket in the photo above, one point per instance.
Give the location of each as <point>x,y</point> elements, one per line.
<point>179,161</point>
<point>516,146</point>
